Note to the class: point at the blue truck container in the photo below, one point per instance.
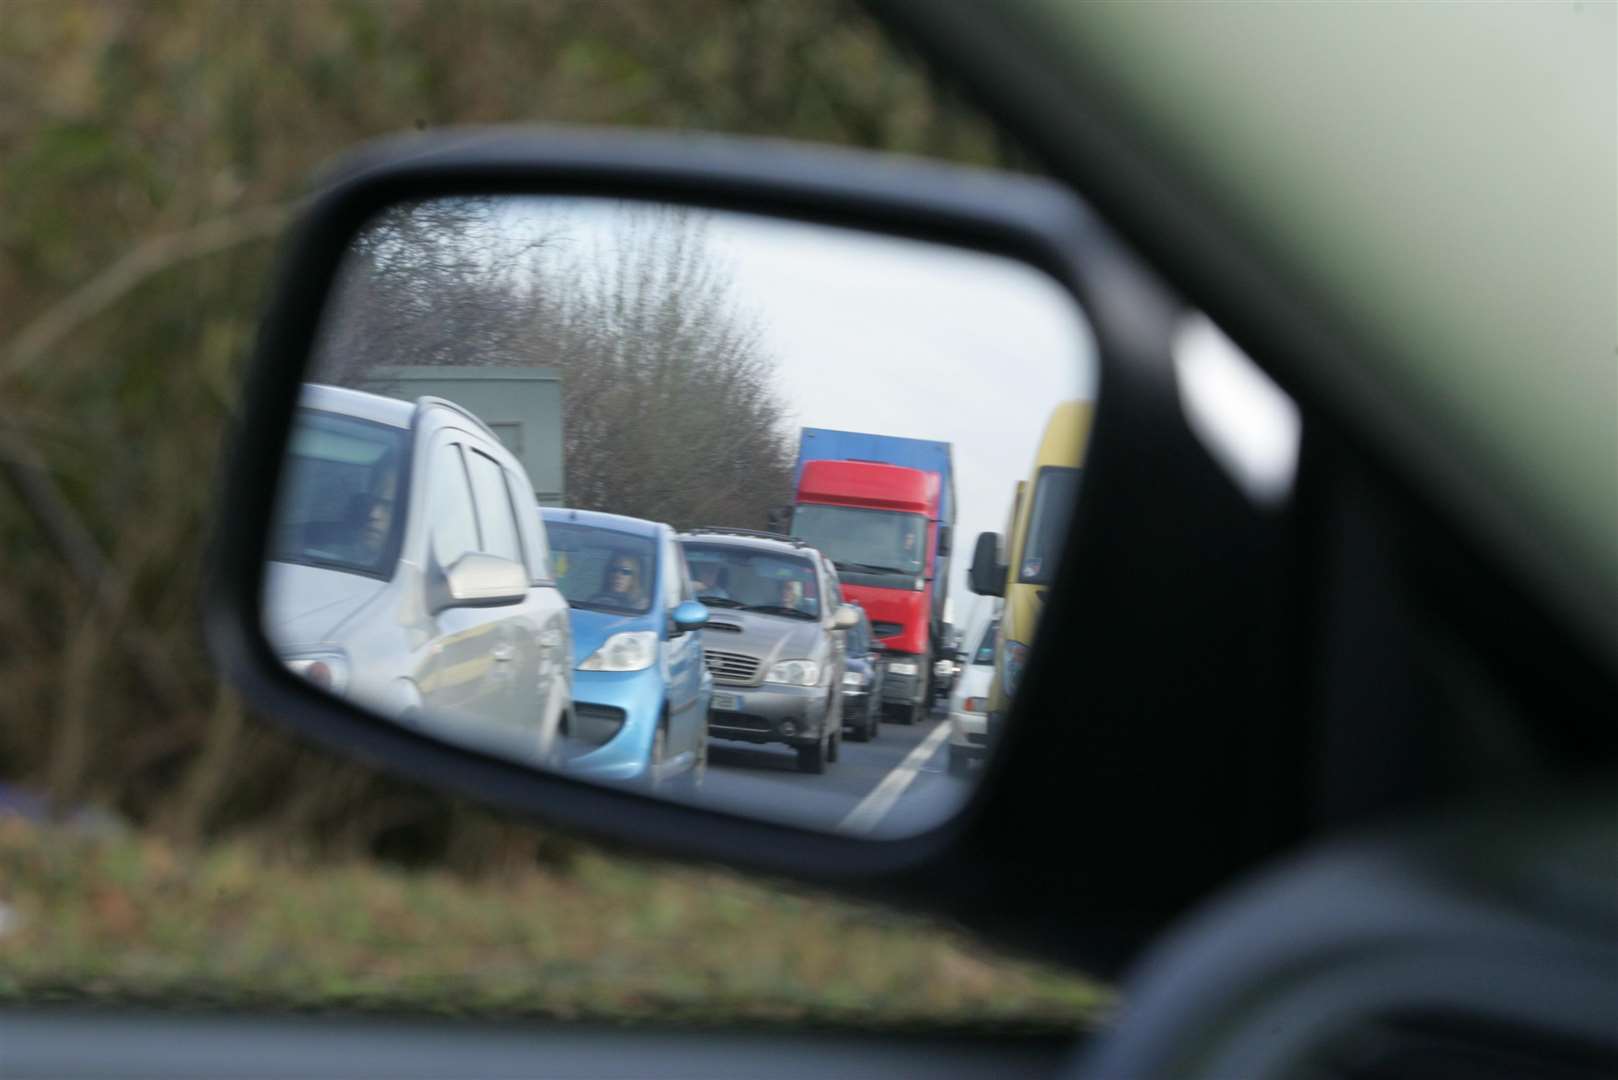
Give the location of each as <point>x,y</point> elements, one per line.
<point>927,455</point>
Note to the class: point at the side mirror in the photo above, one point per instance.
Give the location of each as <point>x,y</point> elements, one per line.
<point>846,618</point>
<point>944,535</point>
<point>689,615</point>
<point>988,575</point>
<point>479,580</point>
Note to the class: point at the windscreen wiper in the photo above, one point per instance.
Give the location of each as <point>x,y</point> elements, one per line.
<point>872,568</point>
<point>778,609</point>
<point>719,601</point>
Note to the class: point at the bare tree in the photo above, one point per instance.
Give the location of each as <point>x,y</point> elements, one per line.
<point>672,413</point>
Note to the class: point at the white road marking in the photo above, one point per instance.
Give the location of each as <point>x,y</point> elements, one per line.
<point>875,806</point>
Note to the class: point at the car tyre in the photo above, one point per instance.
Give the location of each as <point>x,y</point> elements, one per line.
<point>812,759</point>
<point>959,763</point>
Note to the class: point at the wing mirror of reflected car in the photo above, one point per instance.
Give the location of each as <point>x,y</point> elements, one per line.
<point>690,615</point>
<point>847,617</point>
<point>478,580</point>
<point>988,573</point>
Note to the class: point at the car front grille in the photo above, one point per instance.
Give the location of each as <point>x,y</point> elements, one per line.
<point>736,669</point>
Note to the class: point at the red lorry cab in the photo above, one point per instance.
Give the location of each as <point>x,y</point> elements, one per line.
<point>878,524</point>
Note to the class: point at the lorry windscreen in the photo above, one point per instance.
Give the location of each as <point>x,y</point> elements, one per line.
<point>1047,524</point>
<point>870,541</point>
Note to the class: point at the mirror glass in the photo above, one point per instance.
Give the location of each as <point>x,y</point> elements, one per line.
<point>731,509</point>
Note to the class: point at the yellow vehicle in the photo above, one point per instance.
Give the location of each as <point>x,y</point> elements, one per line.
<point>1036,528</point>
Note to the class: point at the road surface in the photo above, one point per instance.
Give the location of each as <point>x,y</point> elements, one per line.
<point>893,786</point>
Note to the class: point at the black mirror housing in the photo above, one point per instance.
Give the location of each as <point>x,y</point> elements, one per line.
<point>988,573</point>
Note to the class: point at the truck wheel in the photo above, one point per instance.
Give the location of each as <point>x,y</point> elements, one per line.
<point>918,713</point>
<point>812,759</point>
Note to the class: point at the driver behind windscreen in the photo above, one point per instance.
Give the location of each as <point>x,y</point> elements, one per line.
<point>621,584</point>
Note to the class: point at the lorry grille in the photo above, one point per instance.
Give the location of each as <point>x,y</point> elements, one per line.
<point>729,667</point>
<point>887,629</point>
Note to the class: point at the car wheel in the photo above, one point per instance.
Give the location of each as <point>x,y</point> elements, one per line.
<point>812,759</point>
<point>959,763</point>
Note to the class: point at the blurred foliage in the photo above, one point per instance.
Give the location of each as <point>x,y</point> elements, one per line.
<point>145,149</point>
<point>121,918</point>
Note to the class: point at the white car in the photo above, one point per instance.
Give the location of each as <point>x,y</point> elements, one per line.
<point>410,573</point>
<point>968,697</point>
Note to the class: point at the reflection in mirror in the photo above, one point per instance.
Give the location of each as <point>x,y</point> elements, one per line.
<point>748,512</point>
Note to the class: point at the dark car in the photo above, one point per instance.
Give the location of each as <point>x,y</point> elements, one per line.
<point>863,670</point>
<point>774,640</point>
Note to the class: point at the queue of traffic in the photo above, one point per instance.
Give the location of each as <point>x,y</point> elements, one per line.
<point>411,570</point>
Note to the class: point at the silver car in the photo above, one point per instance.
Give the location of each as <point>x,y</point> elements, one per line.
<point>410,573</point>
<point>774,641</point>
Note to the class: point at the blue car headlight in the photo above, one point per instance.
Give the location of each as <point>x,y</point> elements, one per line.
<point>631,650</point>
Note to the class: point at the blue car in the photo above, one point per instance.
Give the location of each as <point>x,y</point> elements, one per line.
<point>640,688</point>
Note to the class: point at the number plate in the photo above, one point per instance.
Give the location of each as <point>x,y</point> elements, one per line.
<point>731,702</point>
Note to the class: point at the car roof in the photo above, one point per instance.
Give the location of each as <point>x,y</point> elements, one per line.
<point>601,520</point>
<point>757,543</point>
<point>358,403</point>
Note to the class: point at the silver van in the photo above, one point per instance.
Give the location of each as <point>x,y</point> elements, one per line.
<point>410,573</point>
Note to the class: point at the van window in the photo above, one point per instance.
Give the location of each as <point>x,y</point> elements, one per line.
<point>1054,494</point>
<point>496,520</point>
<point>342,504</point>
<point>535,539</point>
<point>449,507</point>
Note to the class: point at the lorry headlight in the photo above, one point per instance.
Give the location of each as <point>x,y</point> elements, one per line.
<point>631,650</point>
<point>853,678</point>
<point>326,668</point>
<point>794,673</point>
<point>1013,656</point>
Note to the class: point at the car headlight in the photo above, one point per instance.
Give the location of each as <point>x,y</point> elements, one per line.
<point>630,650</point>
<point>902,667</point>
<point>855,679</point>
<point>794,673</point>
<point>1013,657</point>
<point>327,668</point>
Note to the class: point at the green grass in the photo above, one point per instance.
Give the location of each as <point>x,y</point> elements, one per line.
<point>135,920</point>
